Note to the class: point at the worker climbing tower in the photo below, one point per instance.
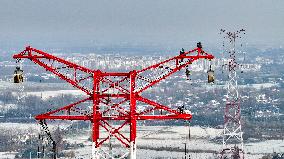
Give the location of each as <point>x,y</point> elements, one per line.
<point>113,98</point>
<point>232,133</point>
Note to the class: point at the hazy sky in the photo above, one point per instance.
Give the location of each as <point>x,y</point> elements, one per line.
<point>56,22</point>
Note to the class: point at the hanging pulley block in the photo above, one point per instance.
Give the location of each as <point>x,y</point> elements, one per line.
<point>211,77</point>
<point>18,75</point>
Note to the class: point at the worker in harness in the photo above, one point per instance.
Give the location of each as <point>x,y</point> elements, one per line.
<point>181,52</point>
<point>187,73</point>
<point>181,109</point>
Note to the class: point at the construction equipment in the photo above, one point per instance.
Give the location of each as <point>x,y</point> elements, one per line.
<point>211,77</point>
<point>18,75</point>
<point>114,96</point>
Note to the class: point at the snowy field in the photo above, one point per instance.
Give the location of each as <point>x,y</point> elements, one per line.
<point>168,142</point>
<point>49,94</point>
<point>155,141</point>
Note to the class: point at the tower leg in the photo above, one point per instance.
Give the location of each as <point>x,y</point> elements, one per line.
<point>133,120</point>
<point>132,150</point>
<point>95,136</point>
<point>96,114</point>
<point>94,151</point>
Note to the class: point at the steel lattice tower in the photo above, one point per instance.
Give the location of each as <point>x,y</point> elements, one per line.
<point>113,97</point>
<point>232,133</point>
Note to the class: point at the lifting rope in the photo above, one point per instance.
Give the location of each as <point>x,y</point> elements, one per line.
<point>46,130</point>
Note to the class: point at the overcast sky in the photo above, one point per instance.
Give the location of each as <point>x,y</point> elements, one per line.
<point>82,22</point>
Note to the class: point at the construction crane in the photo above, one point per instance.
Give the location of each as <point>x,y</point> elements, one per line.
<point>113,95</point>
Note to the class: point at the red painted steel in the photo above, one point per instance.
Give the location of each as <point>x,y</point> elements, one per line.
<point>110,92</point>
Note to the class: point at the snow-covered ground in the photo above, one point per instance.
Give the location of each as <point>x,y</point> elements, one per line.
<point>30,126</point>
<point>169,142</point>
<point>7,155</point>
<point>254,86</point>
<point>44,90</point>
<point>157,141</point>
<point>50,94</point>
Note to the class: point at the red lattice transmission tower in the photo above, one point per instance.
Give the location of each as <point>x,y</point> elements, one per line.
<point>232,133</point>
<point>114,97</point>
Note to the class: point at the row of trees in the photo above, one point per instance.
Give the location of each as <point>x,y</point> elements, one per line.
<point>31,105</point>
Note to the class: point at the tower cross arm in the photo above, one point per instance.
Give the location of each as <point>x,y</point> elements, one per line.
<point>73,73</point>
<point>153,74</point>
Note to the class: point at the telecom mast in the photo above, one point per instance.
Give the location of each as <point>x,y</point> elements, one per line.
<point>232,133</point>
<point>113,96</point>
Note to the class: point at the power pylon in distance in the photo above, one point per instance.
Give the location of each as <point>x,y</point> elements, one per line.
<point>232,131</point>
